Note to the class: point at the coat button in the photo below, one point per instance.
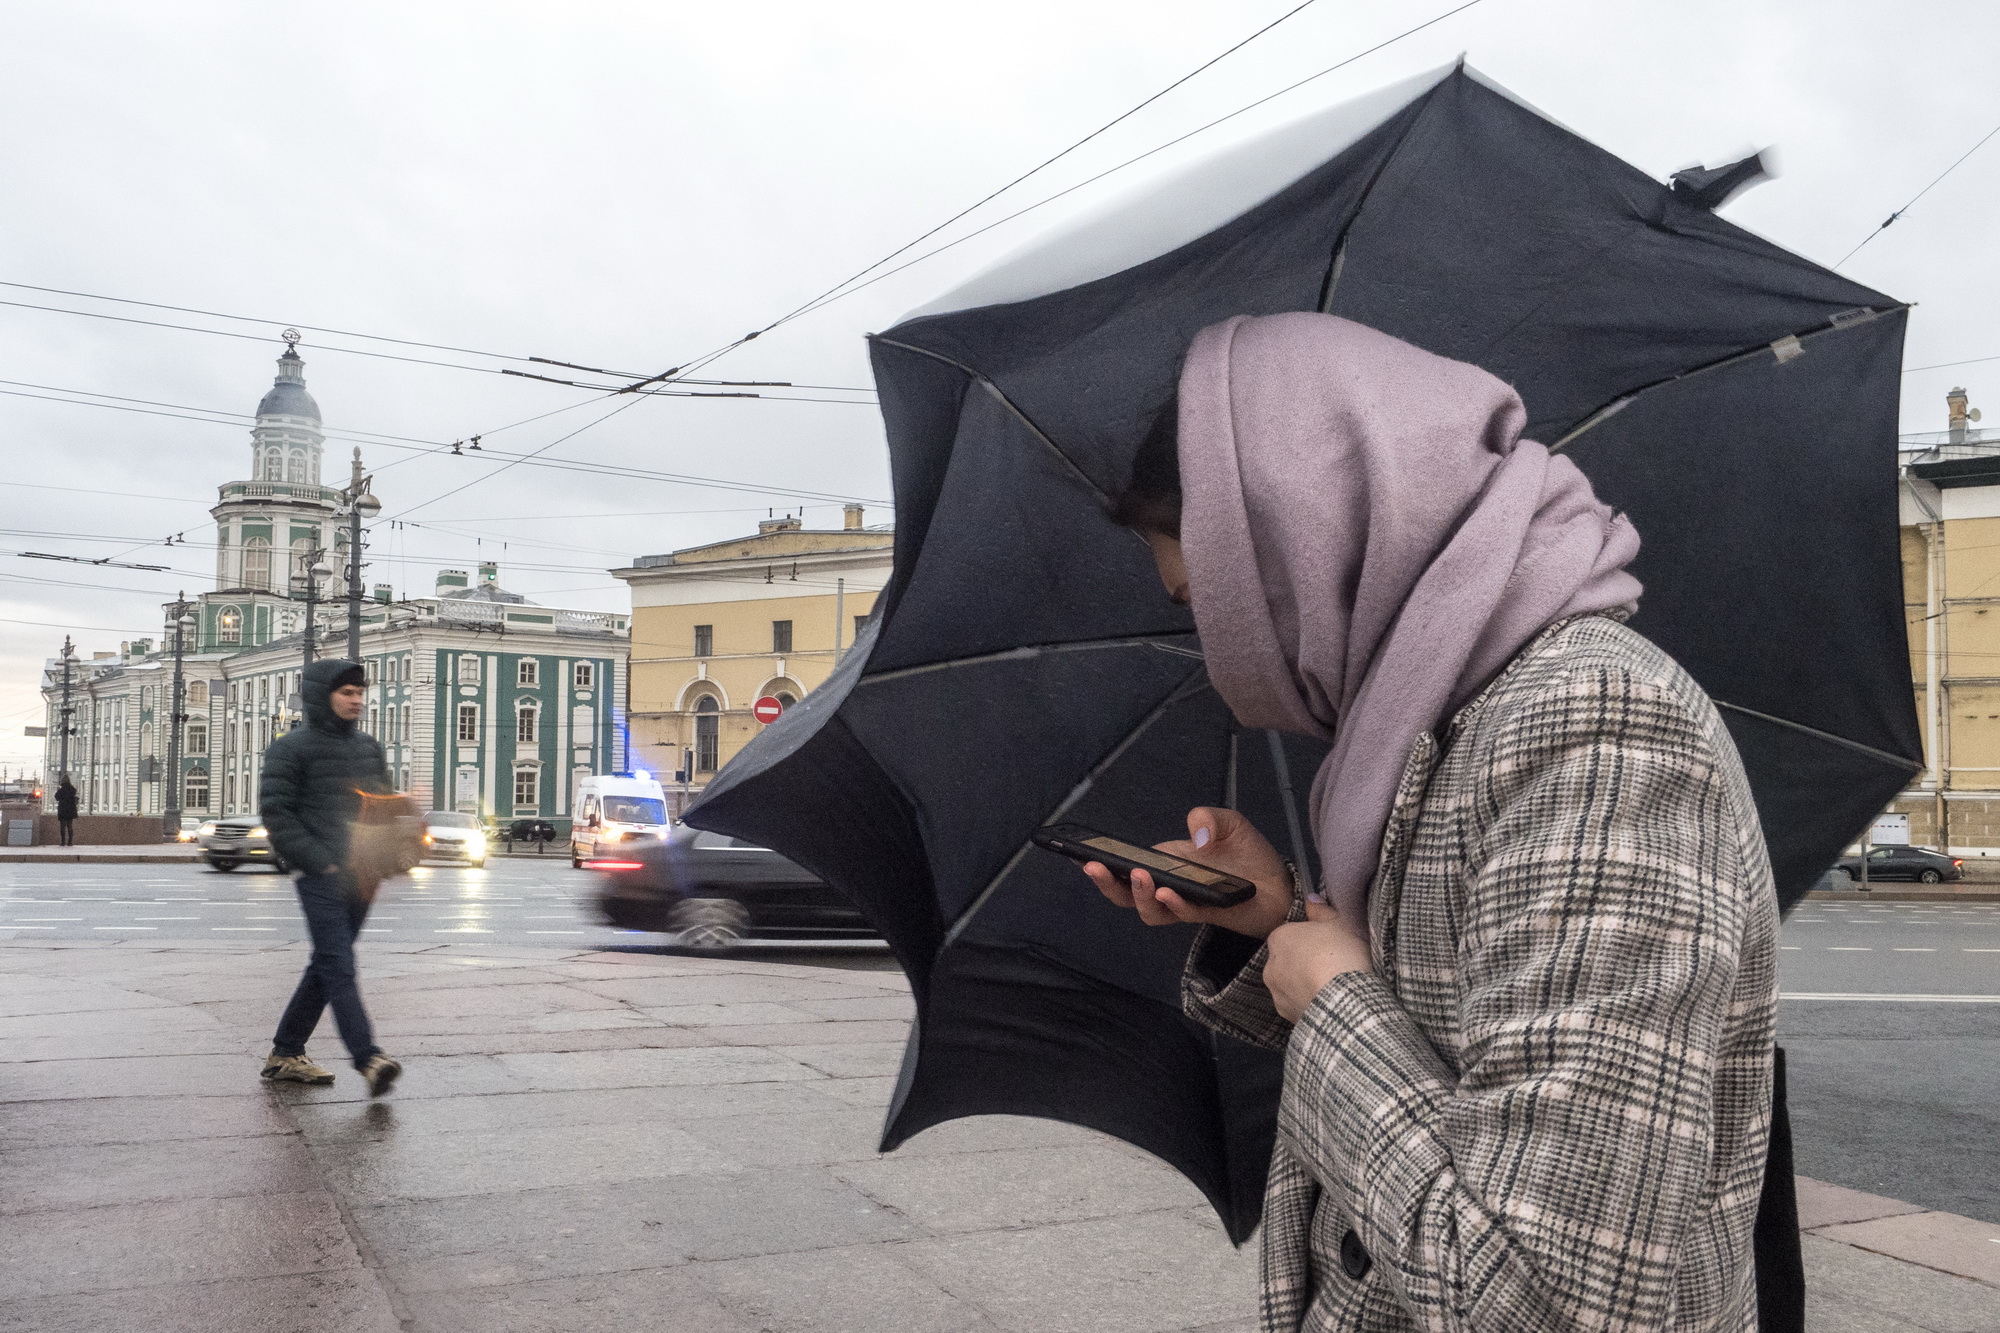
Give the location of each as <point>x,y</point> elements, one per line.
<point>1354,1260</point>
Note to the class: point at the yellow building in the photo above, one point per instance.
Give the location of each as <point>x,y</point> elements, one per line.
<point>1951,595</point>
<point>717,627</point>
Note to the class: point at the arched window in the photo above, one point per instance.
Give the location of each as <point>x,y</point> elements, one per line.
<point>197,694</point>
<point>274,465</point>
<point>707,733</point>
<point>297,470</point>
<point>229,625</point>
<point>257,562</point>
<point>468,724</point>
<point>526,730</point>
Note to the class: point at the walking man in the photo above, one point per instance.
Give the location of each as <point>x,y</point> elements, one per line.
<point>314,778</point>
<point>66,811</point>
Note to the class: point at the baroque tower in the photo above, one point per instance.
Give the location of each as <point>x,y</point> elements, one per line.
<point>271,527</point>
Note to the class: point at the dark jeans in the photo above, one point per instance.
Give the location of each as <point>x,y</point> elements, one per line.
<point>334,913</point>
<point>68,827</point>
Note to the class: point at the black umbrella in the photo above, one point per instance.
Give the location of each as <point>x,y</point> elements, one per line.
<point>1739,402</point>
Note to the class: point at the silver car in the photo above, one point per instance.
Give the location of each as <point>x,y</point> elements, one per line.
<point>243,840</point>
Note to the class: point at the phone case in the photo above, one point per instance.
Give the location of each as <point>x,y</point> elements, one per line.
<point>1069,840</point>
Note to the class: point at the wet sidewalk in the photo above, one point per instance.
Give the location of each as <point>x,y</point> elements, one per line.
<point>607,1141</point>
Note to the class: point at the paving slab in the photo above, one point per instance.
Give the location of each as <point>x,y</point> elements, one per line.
<point>397,1165</point>
<point>1156,1271</point>
<point>91,1175</point>
<point>501,1239</point>
<point>351,1301</point>
<point>1853,1291</point>
<point>616,1303</point>
<point>31,1126</point>
<point>116,1248</point>
<point>648,1068</point>
<point>835,1291</point>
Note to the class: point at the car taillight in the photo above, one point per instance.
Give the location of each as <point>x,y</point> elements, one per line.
<point>614,865</point>
<point>1955,865</point>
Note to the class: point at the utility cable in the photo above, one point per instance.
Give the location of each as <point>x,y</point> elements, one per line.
<point>1046,163</point>
<point>853,285</point>
<point>1918,195</point>
<point>1202,129</point>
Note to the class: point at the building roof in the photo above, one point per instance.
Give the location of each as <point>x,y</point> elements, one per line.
<point>778,539</point>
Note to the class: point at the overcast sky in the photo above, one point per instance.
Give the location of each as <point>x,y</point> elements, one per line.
<point>629,186</point>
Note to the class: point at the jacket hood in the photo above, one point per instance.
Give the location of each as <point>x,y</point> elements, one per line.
<point>321,679</point>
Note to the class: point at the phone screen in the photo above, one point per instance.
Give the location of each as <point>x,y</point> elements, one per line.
<point>1153,860</point>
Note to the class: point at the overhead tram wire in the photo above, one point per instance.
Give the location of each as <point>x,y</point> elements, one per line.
<point>836,291</point>
<point>372,337</point>
<point>418,446</point>
<point>855,283</point>
<point>1884,225</point>
<point>1133,161</point>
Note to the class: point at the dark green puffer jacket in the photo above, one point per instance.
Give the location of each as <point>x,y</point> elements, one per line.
<point>314,775</point>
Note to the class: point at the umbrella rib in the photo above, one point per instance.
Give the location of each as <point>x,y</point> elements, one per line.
<point>1029,651</point>
<point>1901,761</point>
<point>1078,792</point>
<point>1781,349</point>
<point>1007,403</point>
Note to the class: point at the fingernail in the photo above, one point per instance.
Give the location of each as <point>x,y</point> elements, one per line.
<point>1201,836</point>
<point>1319,898</point>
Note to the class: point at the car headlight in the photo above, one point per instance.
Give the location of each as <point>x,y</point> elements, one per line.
<point>260,832</point>
<point>206,830</point>
<point>476,845</point>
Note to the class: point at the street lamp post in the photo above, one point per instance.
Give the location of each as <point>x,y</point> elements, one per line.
<point>314,573</point>
<point>171,820</point>
<point>360,504</point>
<point>68,712</point>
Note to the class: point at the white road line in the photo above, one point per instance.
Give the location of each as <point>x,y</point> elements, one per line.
<point>124,927</point>
<point>463,930</point>
<point>265,928</point>
<point>1979,951</point>
<point>51,918</point>
<point>1891,999</point>
<point>1790,948</point>
<point>166,918</point>
<point>13,927</point>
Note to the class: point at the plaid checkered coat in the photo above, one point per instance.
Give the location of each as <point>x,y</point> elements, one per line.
<point>1546,1108</point>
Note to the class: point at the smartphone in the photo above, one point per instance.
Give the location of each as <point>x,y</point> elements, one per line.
<point>1200,884</point>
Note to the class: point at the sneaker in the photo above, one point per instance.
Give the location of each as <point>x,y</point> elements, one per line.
<point>381,1073</point>
<point>294,1069</point>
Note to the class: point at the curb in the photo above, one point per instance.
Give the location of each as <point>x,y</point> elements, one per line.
<point>100,858</point>
<point>1936,893</point>
<point>1942,1242</point>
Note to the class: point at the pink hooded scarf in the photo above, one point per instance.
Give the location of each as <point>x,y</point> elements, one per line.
<point>1368,542</point>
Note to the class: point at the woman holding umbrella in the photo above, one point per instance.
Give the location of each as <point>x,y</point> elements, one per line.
<point>1528,1012</point>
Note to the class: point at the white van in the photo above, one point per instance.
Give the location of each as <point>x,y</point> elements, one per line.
<point>614,810</point>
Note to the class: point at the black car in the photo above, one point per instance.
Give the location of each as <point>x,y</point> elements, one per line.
<point>711,890</point>
<point>1915,863</point>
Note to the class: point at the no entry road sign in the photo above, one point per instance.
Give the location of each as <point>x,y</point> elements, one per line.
<point>767,709</point>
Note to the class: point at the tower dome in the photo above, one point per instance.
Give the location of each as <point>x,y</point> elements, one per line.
<point>288,396</point>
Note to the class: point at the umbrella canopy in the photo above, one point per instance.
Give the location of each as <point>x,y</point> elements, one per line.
<point>1739,402</point>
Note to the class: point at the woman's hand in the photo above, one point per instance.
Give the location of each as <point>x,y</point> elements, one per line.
<point>1305,955</point>
<point>1223,839</point>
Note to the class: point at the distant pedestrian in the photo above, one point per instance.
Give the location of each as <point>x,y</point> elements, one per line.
<point>66,811</point>
<point>315,778</point>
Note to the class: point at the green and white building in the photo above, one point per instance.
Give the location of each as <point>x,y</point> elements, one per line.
<point>484,701</point>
